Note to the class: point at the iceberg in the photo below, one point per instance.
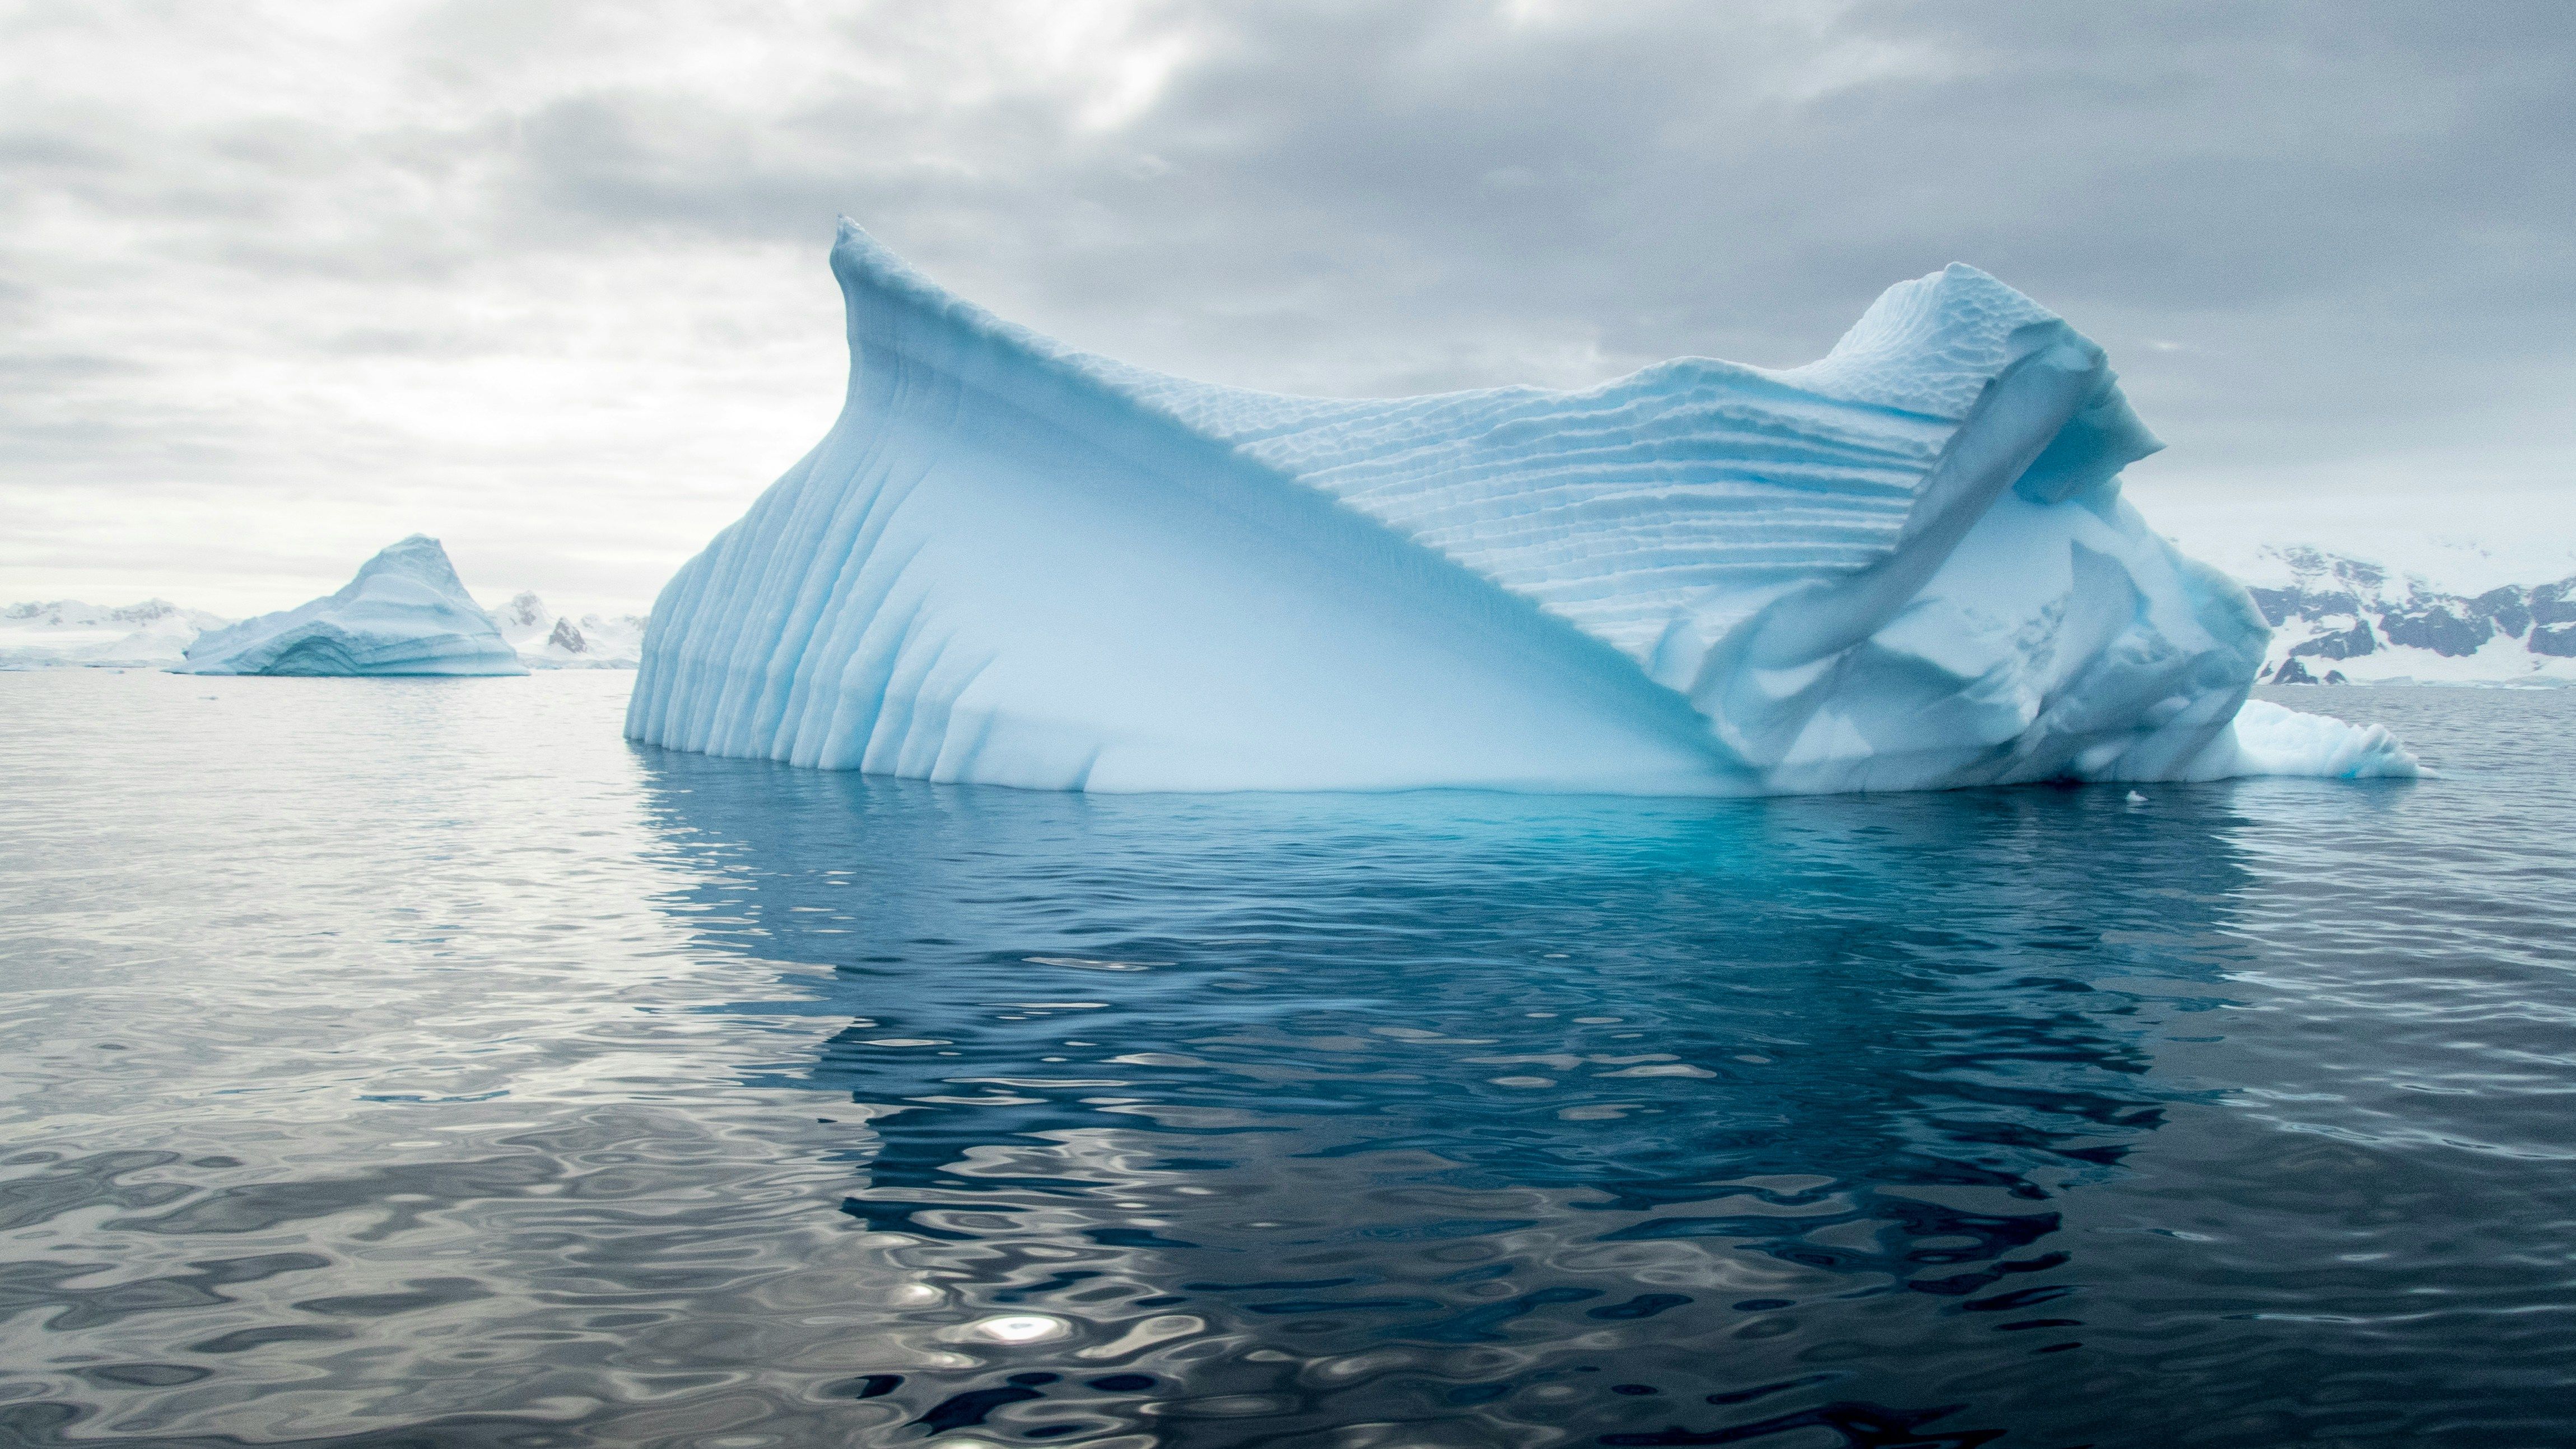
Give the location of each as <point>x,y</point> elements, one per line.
<point>405,613</point>
<point>1906,566</point>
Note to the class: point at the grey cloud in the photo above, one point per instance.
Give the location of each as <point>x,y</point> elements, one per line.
<point>2307,231</point>
<point>52,369</point>
<point>1324,173</point>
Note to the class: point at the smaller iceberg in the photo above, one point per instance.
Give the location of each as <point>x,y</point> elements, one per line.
<point>405,613</point>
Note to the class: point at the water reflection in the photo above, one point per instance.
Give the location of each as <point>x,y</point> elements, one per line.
<point>1486,1119</point>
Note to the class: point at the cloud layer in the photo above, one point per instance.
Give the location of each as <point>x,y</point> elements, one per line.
<point>279,284</point>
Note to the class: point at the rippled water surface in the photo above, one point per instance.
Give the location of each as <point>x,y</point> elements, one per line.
<point>417,1062</point>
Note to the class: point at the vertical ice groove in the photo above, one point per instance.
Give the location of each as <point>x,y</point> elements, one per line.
<point>1906,565</point>
<point>916,660</point>
<point>839,623</point>
<point>839,543</point>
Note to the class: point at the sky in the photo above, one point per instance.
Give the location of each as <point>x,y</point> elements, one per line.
<point>282,283</point>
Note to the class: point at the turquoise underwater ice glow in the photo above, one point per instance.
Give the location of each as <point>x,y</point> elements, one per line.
<point>1906,566</point>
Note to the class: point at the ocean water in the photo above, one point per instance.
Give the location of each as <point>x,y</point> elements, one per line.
<point>416,1062</point>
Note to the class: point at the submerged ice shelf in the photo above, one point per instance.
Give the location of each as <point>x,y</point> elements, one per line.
<point>405,613</point>
<point>1907,566</point>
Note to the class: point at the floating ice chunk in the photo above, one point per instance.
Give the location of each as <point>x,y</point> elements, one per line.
<point>1906,566</point>
<point>2271,740</point>
<point>405,613</point>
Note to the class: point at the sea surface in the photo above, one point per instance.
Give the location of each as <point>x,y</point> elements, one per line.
<point>419,1063</point>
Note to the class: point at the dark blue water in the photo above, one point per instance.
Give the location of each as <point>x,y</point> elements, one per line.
<point>416,1062</point>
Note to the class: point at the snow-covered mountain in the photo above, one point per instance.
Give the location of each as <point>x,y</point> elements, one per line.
<point>153,633</point>
<point>2340,617</point>
<point>2338,620</point>
<point>156,634</point>
<point>548,640</point>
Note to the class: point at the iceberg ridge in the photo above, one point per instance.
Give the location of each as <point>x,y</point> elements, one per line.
<point>1905,566</point>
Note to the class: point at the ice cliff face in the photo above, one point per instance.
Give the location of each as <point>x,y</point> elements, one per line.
<point>405,613</point>
<point>1906,566</point>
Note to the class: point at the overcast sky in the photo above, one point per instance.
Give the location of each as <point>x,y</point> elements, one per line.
<point>281,283</point>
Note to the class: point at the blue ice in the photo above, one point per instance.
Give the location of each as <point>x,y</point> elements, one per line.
<point>405,613</point>
<point>1906,566</point>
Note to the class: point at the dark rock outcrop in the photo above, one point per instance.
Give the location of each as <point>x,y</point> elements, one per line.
<point>2349,643</point>
<point>2555,640</point>
<point>2508,607</point>
<point>2554,603</point>
<point>2447,628</point>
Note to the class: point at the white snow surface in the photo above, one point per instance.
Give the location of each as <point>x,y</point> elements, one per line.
<point>151,634</point>
<point>1907,566</point>
<point>545,639</point>
<point>405,613</point>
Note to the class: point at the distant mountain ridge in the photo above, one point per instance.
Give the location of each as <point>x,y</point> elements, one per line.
<point>156,633</point>
<point>73,614</point>
<point>150,634</point>
<point>548,640</point>
<point>2337,619</point>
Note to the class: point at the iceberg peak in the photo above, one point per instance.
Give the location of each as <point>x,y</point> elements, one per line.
<point>417,557</point>
<point>1906,565</point>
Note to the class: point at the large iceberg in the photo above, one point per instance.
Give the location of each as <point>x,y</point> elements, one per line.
<point>1907,566</point>
<point>405,613</point>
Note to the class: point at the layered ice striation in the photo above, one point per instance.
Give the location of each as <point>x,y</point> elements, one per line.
<point>1907,566</point>
<point>405,613</point>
